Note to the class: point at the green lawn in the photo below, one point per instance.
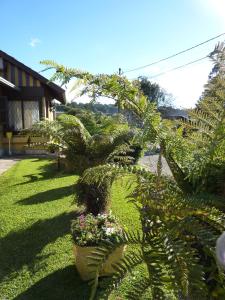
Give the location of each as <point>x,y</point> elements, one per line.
<point>36,207</point>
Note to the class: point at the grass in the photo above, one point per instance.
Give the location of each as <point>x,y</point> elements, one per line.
<point>36,258</point>
<point>35,247</point>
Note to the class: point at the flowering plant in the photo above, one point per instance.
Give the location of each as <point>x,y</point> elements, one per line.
<point>90,230</point>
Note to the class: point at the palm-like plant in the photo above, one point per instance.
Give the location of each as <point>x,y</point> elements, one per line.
<point>179,225</point>
<point>194,158</point>
<point>177,242</point>
<point>200,152</point>
<point>68,135</point>
<point>114,142</point>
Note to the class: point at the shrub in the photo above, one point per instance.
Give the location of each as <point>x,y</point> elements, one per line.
<point>94,188</point>
<point>177,243</point>
<point>96,198</point>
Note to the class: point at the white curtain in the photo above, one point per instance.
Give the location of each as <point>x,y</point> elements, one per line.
<point>31,113</point>
<point>15,115</point>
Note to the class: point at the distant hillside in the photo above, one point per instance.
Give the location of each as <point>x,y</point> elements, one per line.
<point>167,112</point>
<point>108,109</point>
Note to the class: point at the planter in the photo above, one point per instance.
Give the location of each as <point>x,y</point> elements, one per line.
<point>81,261</point>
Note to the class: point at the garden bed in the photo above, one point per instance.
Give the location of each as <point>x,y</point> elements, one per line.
<point>36,250</point>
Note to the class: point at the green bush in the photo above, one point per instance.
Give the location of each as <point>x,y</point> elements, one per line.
<point>95,198</point>
<point>177,243</point>
<point>94,188</point>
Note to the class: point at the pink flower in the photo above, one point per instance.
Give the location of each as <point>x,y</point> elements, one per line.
<point>82,217</point>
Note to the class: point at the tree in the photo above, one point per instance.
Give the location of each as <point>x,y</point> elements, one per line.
<point>152,91</point>
<point>95,107</point>
<point>107,139</point>
<point>204,164</point>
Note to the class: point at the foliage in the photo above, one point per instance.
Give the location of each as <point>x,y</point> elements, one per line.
<point>126,94</point>
<point>111,139</point>
<point>154,92</point>
<point>177,244</point>
<point>96,122</point>
<point>200,152</point>
<point>90,230</point>
<point>95,107</point>
<point>65,134</point>
<point>179,225</point>
<point>94,188</point>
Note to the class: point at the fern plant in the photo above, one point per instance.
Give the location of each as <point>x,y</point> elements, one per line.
<point>202,148</point>
<point>195,159</point>
<point>115,142</point>
<point>195,149</point>
<point>176,243</point>
<point>67,135</point>
<point>179,224</point>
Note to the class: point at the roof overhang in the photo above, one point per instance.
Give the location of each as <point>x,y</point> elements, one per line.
<point>56,91</point>
<point>8,84</point>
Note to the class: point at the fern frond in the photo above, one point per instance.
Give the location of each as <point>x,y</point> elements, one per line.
<point>127,263</point>
<point>139,289</point>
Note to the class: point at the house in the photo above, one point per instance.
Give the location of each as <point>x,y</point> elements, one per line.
<point>25,98</point>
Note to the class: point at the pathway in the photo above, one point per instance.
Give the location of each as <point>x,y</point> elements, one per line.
<point>150,162</point>
<point>6,163</point>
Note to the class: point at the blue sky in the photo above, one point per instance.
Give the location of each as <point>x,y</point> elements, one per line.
<point>102,35</point>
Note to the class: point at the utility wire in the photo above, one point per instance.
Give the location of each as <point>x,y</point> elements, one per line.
<point>176,54</point>
<point>179,67</point>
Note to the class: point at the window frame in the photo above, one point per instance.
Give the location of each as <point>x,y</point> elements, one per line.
<point>22,111</point>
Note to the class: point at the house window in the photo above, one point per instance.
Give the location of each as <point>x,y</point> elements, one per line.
<point>23,114</point>
<point>15,115</point>
<point>31,113</point>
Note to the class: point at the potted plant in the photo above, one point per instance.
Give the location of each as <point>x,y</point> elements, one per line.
<point>89,232</point>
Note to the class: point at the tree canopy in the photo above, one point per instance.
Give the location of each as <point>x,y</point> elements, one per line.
<point>154,92</point>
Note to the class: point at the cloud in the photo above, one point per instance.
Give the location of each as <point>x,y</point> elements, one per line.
<point>34,42</point>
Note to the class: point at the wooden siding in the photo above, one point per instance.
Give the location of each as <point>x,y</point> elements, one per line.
<point>19,77</point>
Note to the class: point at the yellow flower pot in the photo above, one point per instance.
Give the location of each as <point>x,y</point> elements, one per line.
<point>81,260</point>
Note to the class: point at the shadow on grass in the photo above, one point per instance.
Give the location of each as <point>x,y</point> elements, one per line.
<point>46,171</point>
<point>22,247</point>
<point>62,284</point>
<point>48,196</point>
<point>66,284</point>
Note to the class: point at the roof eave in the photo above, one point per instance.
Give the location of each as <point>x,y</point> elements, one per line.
<point>9,84</point>
<point>60,92</point>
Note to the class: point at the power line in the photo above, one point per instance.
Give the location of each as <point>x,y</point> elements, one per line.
<point>173,55</point>
<point>179,67</point>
